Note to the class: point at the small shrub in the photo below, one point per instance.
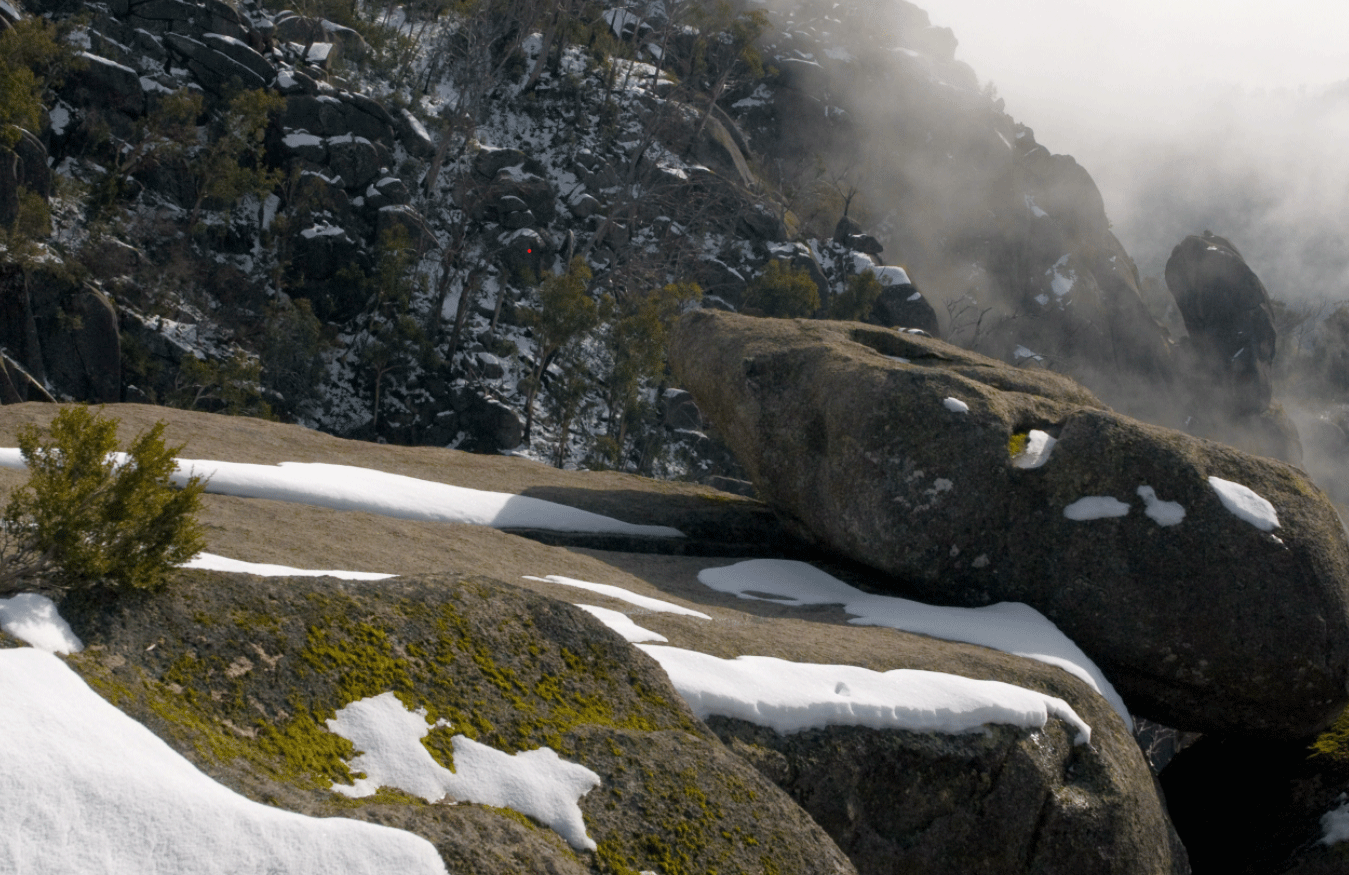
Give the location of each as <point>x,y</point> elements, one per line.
<point>783,292</point>
<point>854,304</point>
<point>86,519</point>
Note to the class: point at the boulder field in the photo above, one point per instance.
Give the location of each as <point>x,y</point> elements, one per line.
<point>1210,585</point>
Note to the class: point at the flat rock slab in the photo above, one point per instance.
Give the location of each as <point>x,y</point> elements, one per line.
<point>903,452</point>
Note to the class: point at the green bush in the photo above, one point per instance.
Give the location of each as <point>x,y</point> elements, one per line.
<point>854,304</point>
<point>783,292</point>
<point>88,519</point>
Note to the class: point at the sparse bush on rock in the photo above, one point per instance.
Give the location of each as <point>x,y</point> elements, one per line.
<point>87,518</point>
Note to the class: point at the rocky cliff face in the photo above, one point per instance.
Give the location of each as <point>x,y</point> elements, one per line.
<point>371,266</point>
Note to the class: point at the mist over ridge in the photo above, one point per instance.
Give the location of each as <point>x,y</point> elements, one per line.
<point>1187,120</point>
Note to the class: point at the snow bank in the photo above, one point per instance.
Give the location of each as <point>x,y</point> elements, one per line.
<point>212,562</point>
<point>537,783</point>
<point>33,619</point>
<point>84,788</point>
<point>1011,627</point>
<point>618,592</point>
<point>346,487</point>
<point>794,696</point>
<point>622,624</point>
<point>1245,504</point>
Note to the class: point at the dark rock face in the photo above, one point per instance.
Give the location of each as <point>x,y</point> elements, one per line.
<point>906,453</point>
<point>107,83</point>
<point>1227,360</point>
<point>62,333</point>
<point>904,306</point>
<point>1247,807</point>
<point>1004,800</point>
<point>1229,318</point>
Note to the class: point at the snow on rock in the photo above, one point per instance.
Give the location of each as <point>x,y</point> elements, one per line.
<point>955,405</point>
<point>33,619</point>
<point>1011,627</point>
<point>212,562</point>
<point>537,783</point>
<point>618,592</point>
<point>1245,504</point>
<point>1062,277</point>
<point>622,624</point>
<point>84,788</point>
<point>794,696</point>
<point>1035,210</point>
<point>1335,823</point>
<point>1095,507</point>
<point>891,276</point>
<point>1163,513</point>
<point>1039,446</point>
<point>345,487</point>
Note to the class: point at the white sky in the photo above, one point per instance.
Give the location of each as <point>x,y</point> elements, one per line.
<point>1066,64</point>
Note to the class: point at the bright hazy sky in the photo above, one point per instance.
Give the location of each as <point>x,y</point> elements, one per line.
<point>1055,60</point>
<point>1189,114</point>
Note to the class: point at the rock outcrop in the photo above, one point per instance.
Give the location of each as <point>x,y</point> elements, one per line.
<point>1229,354</point>
<point>239,674</point>
<point>1211,586</point>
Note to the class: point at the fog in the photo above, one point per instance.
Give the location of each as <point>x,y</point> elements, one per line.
<point>1190,115</point>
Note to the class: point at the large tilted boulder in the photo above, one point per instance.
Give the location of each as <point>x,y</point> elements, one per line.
<point>1004,800</point>
<point>1227,360</point>
<point>913,456</point>
<point>1228,315</point>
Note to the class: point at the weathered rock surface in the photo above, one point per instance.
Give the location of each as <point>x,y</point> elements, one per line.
<point>1004,800</point>
<point>898,451</point>
<point>238,674</point>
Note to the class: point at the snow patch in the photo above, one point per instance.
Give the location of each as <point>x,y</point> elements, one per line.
<point>1335,823</point>
<point>618,592</point>
<point>1163,513</point>
<point>212,562</point>
<point>794,696</point>
<point>88,789</point>
<point>1039,446</point>
<point>346,487</point>
<point>955,405</point>
<point>1095,507</point>
<point>1245,504</point>
<point>1062,277</point>
<point>892,276</point>
<point>622,624</point>
<point>33,619</point>
<point>1035,211</point>
<point>537,783</point>
<point>1011,627</point>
